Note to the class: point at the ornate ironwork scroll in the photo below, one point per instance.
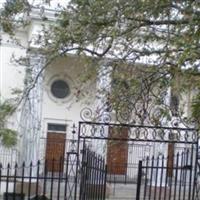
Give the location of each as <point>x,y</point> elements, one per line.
<point>140,133</point>
<point>134,114</point>
<point>100,115</point>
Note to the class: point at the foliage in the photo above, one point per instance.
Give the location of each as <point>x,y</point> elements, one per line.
<point>10,15</point>
<point>164,35</point>
<point>8,137</point>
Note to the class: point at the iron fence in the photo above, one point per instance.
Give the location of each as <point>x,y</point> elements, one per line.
<point>121,146</point>
<point>36,181</point>
<point>126,172</point>
<point>157,179</point>
<point>138,133</point>
<point>93,176</point>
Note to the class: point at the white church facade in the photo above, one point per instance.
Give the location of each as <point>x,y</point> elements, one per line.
<point>45,118</point>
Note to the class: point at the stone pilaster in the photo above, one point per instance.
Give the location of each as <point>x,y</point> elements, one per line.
<point>31,114</point>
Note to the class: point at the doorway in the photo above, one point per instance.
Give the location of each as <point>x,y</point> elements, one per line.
<point>55,149</point>
<point>117,151</point>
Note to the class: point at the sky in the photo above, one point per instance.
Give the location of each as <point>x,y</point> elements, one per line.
<point>53,3</point>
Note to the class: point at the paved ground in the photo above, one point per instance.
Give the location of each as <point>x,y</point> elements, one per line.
<point>121,191</point>
<point>114,192</point>
<point>128,192</point>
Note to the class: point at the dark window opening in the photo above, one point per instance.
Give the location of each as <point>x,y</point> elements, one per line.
<point>174,105</point>
<point>60,89</point>
<point>57,127</point>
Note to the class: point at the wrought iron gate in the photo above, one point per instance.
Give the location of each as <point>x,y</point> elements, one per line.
<point>93,176</point>
<point>154,181</point>
<point>170,159</point>
<point>103,159</point>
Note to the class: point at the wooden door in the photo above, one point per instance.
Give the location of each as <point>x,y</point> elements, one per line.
<point>170,160</point>
<point>117,151</point>
<point>55,151</point>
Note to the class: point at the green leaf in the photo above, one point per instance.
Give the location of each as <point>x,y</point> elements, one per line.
<point>8,137</point>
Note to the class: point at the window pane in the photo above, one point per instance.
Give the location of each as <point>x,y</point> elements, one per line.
<point>56,127</point>
<point>60,89</point>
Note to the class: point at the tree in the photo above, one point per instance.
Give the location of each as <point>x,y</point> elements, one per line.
<point>163,35</point>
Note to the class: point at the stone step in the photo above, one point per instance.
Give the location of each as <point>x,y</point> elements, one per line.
<point>121,179</point>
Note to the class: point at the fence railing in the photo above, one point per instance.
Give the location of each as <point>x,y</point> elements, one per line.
<point>126,170</point>
<point>158,179</point>
<point>93,176</point>
<point>41,180</point>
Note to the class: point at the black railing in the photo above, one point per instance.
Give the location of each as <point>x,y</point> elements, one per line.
<point>55,179</point>
<point>139,133</point>
<point>93,176</point>
<point>160,180</point>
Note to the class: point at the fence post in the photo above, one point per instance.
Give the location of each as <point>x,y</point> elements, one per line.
<point>105,180</point>
<point>139,180</point>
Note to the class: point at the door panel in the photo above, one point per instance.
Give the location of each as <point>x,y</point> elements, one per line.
<point>55,150</point>
<point>117,151</point>
<point>170,160</point>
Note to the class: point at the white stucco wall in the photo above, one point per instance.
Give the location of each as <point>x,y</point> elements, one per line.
<point>53,110</point>
<point>11,77</point>
<point>65,111</point>
<point>11,73</point>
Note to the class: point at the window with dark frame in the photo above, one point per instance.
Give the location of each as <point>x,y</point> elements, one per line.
<point>56,127</point>
<point>60,89</point>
